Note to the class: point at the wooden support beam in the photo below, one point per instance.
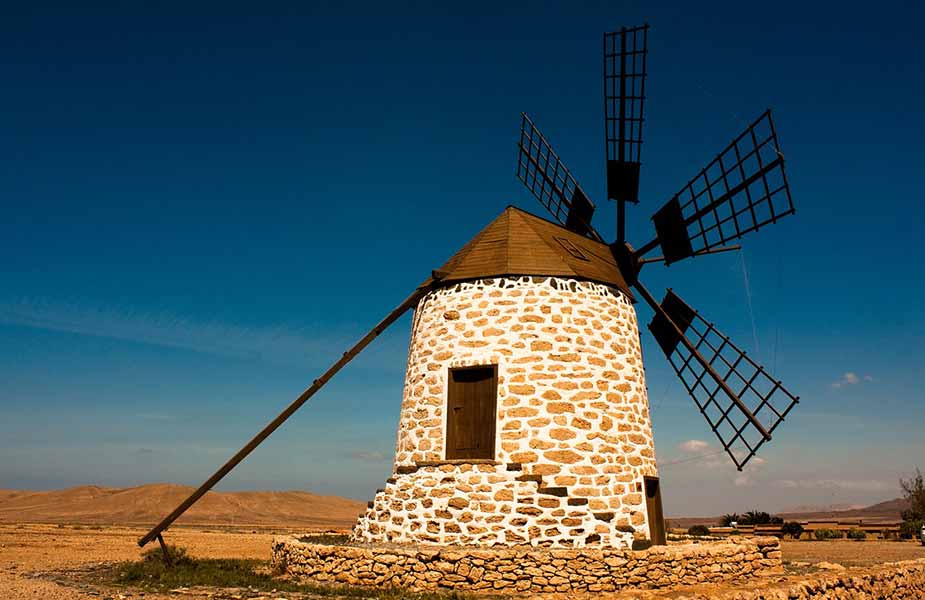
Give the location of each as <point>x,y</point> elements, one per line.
<point>167,559</point>
<point>409,303</point>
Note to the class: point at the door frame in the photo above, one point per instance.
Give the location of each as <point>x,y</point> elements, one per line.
<point>446,410</point>
<point>657,533</point>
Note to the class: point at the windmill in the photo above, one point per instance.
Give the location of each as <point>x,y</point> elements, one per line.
<point>525,418</point>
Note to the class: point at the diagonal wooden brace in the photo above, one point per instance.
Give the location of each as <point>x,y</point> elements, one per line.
<point>409,302</point>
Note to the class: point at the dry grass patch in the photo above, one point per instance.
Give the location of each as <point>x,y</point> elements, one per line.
<point>152,574</point>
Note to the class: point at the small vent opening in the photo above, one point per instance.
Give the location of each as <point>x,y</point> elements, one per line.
<point>572,248</point>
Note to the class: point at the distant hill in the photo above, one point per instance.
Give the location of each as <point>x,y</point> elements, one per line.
<point>812,508</point>
<point>883,511</point>
<point>148,504</point>
<point>889,510</point>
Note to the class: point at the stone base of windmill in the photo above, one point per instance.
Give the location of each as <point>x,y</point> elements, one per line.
<point>490,505</point>
<point>525,568</point>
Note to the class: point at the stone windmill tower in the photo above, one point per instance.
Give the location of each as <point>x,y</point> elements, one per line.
<point>524,418</point>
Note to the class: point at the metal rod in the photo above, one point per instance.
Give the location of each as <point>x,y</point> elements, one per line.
<point>167,560</point>
<point>703,361</point>
<point>393,316</point>
<point>698,253</point>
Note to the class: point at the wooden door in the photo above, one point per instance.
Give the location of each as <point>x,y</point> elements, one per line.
<point>654,511</point>
<point>471,413</point>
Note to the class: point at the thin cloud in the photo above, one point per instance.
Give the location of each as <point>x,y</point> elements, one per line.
<point>756,462</point>
<point>694,446</point>
<point>699,454</point>
<point>157,417</point>
<point>850,378</point>
<point>744,480</point>
<point>368,456</point>
<point>273,344</point>
<point>746,477</point>
<point>862,485</point>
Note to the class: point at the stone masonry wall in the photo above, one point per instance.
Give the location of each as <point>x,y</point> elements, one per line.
<point>892,581</point>
<point>528,569</point>
<point>573,436</point>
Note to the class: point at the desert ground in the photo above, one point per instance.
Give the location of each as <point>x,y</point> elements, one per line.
<point>68,544</point>
<point>79,529</point>
<point>61,562</point>
<point>41,561</point>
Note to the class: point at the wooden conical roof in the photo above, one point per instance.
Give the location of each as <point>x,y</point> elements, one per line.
<point>518,243</point>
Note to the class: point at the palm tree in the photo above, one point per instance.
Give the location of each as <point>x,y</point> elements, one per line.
<point>756,517</point>
<point>728,520</point>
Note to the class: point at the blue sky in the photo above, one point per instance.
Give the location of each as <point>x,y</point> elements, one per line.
<point>201,210</point>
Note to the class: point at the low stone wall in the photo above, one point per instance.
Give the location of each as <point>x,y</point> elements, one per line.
<point>527,569</point>
<point>891,581</point>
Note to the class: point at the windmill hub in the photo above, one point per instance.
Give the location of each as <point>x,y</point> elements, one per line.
<point>627,261</point>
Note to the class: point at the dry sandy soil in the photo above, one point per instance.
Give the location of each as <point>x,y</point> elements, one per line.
<point>32,556</point>
<point>852,554</point>
<point>147,504</point>
<point>37,561</point>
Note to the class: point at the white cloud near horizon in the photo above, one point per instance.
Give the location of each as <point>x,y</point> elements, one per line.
<point>271,343</point>
<point>694,446</point>
<point>850,378</point>
<point>707,456</point>
<point>746,478</point>
<point>743,480</point>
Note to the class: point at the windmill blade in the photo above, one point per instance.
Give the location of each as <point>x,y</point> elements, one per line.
<point>624,96</point>
<point>409,303</point>
<point>742,190</point>
<point>741,402</point>
<point>547,178</point>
